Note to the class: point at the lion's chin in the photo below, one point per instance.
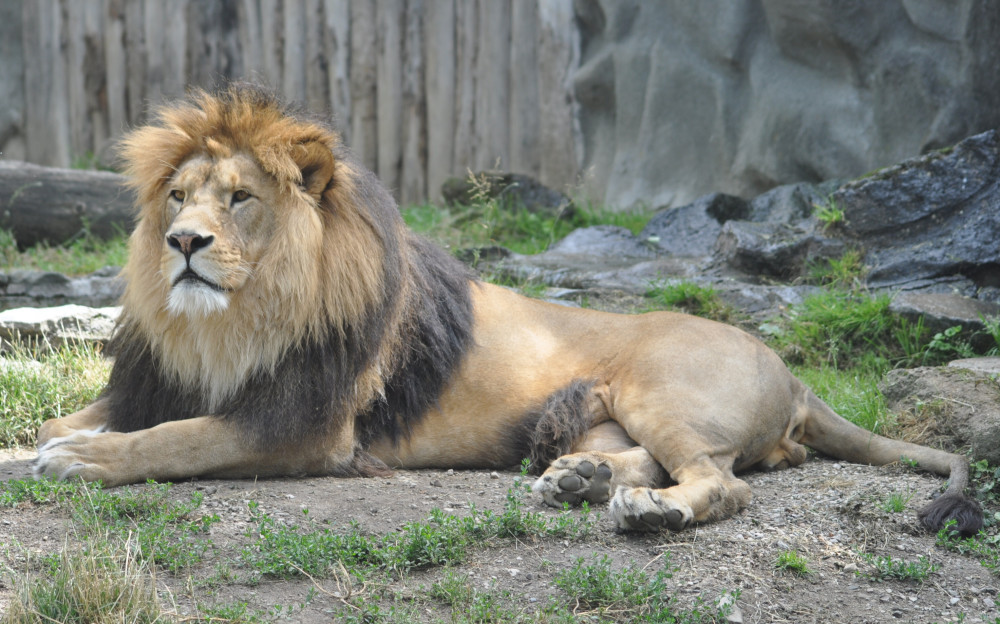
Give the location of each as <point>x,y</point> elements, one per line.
<point>196,300</point>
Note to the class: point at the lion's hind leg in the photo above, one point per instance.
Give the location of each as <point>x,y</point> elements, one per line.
<point>704,492</point>
<point>603,460</point>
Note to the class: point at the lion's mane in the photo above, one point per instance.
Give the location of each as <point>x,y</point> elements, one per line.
<point>362,333</point>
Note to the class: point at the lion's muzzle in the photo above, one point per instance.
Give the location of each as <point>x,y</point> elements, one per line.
<point>188,242</point>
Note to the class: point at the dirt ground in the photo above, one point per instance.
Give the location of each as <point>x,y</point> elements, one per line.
<point>824,510</point>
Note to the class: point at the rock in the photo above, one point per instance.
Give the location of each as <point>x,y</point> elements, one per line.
<point>773,249</point>
<point>791,203</point>
<point>43,288</point>
<point>677,99</point>
<point>511,189</point>
<point>605,241</point>
<point>930,217</point>
<point>691,230</point>
<point>941,311</point>
<point>953,407</point>
<point>58,325</point>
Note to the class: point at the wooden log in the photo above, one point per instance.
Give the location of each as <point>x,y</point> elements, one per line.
<point>558,57</point>
<point>46,128</point>
<point>493,85</point>
<point>337,50</point>
<point>466,47</point>
<point>389,84</point>
<point>56,205</point>
<point>364,134</point>
<point>413,176</point>
<point>439,78</point>
<point>525,152</point>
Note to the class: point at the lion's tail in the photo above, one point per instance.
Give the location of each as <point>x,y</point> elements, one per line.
<point>829,433</point>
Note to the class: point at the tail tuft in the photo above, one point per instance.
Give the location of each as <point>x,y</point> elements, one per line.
<point>965,511</point>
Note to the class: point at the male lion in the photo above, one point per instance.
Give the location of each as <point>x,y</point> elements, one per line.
<point>279,319</point>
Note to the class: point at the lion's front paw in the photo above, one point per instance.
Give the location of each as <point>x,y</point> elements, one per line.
<point>646,509</point>
<point>81,454</point>
<point>573,479</point>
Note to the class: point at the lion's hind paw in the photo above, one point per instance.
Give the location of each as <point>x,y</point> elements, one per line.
<point>574,480</point>
<point>645,509</point>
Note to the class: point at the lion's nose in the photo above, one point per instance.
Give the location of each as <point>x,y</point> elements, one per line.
<point>188,242</point>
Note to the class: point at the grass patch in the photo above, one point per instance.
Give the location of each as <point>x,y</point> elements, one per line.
<point>690,298</point>
<point>37,384</point>
<point>791,561</point>
<point>168,533</point>
<point>629,595</point>
<point>106,581</point>
<point>283,551</point>
<point>84,254</point>
<point>491,223</point>
<point>896,502</point>
<point>40,492</point>
<point>852,393</point>
<point>884,568</point>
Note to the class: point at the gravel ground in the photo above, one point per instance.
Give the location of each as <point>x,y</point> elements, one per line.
<point>824,510</point>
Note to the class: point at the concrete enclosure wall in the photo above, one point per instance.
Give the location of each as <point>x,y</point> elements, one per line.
<point>627,101</point>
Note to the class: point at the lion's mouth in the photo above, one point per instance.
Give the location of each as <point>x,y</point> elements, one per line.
<point>190,275</point>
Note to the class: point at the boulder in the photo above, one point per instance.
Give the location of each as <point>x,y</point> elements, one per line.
<point>929,217</point>
<point>691,230</point>
<point>44,288</point>
<point>57,325</point>
<point>954,407</point>
<point>940,311</point>
<point>773,250</point>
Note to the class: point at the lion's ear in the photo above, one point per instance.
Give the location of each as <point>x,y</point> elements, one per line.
<point>317,164</point>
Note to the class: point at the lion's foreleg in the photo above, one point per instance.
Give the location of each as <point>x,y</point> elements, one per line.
<point>91,418</point>
<point>203,446</point>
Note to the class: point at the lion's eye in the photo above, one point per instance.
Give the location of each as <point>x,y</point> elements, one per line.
<point>241,195</point>
<point>177,194</point>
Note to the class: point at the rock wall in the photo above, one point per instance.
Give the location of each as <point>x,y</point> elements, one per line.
<point>651,101</point>
<point>682,98</point>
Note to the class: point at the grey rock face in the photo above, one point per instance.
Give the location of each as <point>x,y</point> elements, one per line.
<point>678,99</point>
<point>934,216</point>
<point>691,230</point>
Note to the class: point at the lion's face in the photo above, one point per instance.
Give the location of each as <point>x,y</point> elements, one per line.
<point>219,218</point>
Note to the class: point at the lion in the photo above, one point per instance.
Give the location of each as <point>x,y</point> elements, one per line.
<point>279,319</point>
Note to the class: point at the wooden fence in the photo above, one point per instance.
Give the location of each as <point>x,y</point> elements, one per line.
<point>421,89</point>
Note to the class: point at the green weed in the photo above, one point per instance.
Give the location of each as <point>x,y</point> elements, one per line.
<point>844,273</point>
<point>690,298</point>
<point>629,595</point>
<point>898,569</point>
<point>84,254</point>
<point>791,561</point>
<point>984,547</point>
<point>288,551</point>
<point>107,581</point>
<point>491,223</point>
<point>42,491</point>
<point>853,393</point>
<point>167,532</point>
<point>829,213</point>
<point>896,502</point>
<point>37,384</point>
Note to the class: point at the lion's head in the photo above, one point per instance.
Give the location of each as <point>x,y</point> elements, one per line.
<point>256,231</point>
<point>270,280</point>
